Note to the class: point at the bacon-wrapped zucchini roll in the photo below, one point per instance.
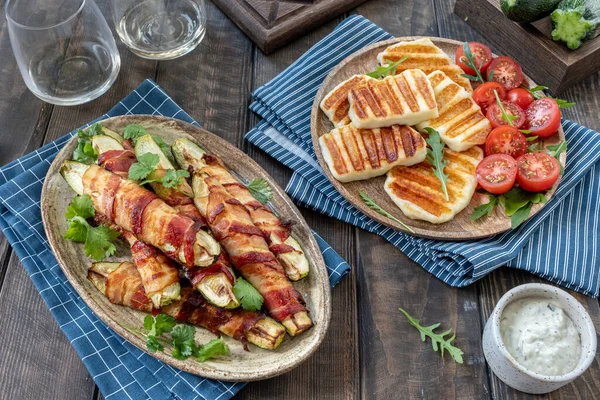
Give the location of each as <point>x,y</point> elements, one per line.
<point>121,283</point>
<point>287,250</point>
<point>249,253</point>
<point>131,207</point>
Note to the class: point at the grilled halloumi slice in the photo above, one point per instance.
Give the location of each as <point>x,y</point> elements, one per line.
<point>403,99</point>
<point>427,57</point>
<point>335,105</point>
<point>418,192</point>
<point>460,122</point>
<point>354,154</point>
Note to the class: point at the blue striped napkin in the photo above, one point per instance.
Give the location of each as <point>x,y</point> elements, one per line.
<point>561,243</point>
<point>120,370</point>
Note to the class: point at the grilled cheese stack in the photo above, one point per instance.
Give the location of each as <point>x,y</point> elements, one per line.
<point>335,105</point>
<point>460,122</point>
<point>355,154</point>
<point>426,56</point>
<point>418,192</point>
<point>403,99</point>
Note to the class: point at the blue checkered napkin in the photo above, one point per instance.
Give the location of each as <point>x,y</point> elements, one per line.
<point>120,370</point>
<point>561,243</point>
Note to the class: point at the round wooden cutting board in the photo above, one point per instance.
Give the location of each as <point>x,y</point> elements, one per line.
<point>461,227</point>
<point>240,365</point>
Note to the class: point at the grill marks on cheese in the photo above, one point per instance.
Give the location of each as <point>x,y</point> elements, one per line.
<point>418,192</point>
<point>404,99</point>
<point>460,122</point>
<point>427,57</point>
<point>355,154</point>
<point>335,105</point>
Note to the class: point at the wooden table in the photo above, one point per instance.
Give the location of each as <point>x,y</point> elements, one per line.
<point>370,351</point>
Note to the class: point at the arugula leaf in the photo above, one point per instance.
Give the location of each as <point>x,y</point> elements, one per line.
<point>490,76</point>
<point>555,150</point>
<point>373,206</point>
<point>182,338</point>
<point>260,189</point>
<point>470,62</point>
<point>531,138</point>
<point>485,209</point>
<point>385,70</point>
<point>249,297</point>
<point>145,165</point>
<point>438,341</point>
<point>134,132</point>
<point>211,349</point>
<point>97,240</point>
<point>506,117</point>
<point>84,152</point>
<point>561,103</point>
<point>564,103</point>
<point>518,204</point>
<point>435,157</point>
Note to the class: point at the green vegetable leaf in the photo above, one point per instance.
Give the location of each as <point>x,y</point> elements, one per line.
<point>163,323</point>
<point>182,338</point>
<point>506,117</point>
<point>145,165</point>
<point>518,203</point>
<point>249,297</point>
<point>260,189</point>
<point>148,322</point>
<point>438,340</point>
<point>485,209</point>
<point>98,242</point>
<point>435,157</point>
<point>215,347</point>
<point>153,345</point>
<point>166,149</point>
<point>469,60</point>
<point>490,76</point>
<point>520,215</point>
<point>555,150</point>
<point>134,132</point>
<point>170,179</point>
<point>77,230</point>
<point>531,138</point>
<point>561,103</point>
<point>385,70</point>
<point>564,103</point>
<point>536,89</point>
<point>373,206</point>
<point>80,206</point>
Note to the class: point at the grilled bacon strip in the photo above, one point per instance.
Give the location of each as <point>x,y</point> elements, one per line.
<point>121,283</point>
<point>277,233</point>
<point>249,253</point>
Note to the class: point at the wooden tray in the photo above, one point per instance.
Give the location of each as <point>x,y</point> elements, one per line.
<point>461,227</point>
<point>544,60</point>
<point>271,24</point>
<point>240,365</point>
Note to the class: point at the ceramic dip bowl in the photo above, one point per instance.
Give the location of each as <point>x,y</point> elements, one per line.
<point>508,369</point>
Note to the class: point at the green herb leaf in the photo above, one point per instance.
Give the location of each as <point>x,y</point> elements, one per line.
<point>470,62</point>
<point>215,347</point>
<point>80,206</point>
<point>385,70</point>
<point>165,148</point>
<point>134,132</point>
<point>438,340</point>
<point>564,103</point>
<point>518,203</point>
<point>435,157</point>
<point>148,322</point>
<point>84,152</point>
<point>249,297</point>
<point>555,150</point>
<point>260,189</point>
<point>98,242</point>
<point>163,323</point>
<point>153,345</point>
<point>506,117</point>
<point>485,209</point>
<point>373,206</point>
<point>531,138</point>
<point>490,76</point>
<point>174,178</point>
<point>145,165</point>
<point>561,103</point>
<point>182,338</point>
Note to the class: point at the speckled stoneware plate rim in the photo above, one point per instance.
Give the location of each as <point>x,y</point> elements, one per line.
<point>477,229</point>
<point>240,365</point>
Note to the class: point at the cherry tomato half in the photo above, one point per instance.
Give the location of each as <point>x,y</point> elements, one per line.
<point>544,117</point>
<point>482,55</point>
<point>506,139</point>
<point>537,172</point>
<point>507,72</point>
<point>494,114</point>
<point>521,97</point>
<point>497,173</point>
<point>484,94</point>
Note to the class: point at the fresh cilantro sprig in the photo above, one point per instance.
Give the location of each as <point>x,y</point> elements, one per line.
<point>97,240</point>
<point>146,164</point>
<point>135,131</point>
<point>260,189</point>
<point>517,204</point>
<point>435,157</point>
<point>84,152</point>
<point>561,103</point>
<point>249,297</point>
<point>438,340</point>
<point>469,60</point>
<point>181,338</point>
<point>505,116</point>
<point>385,70</point>
<point>374,206</point>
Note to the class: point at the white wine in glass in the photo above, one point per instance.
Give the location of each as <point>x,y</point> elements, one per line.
<point>160,29</point>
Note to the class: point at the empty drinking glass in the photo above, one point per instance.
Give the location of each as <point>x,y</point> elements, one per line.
<point>65,49</point>
<point>160,29</point>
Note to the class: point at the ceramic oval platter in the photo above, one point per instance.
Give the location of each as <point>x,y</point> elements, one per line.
<point>459,228</point>
<point>240,365</point>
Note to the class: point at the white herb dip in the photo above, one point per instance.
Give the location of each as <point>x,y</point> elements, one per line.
<point>540,336</point>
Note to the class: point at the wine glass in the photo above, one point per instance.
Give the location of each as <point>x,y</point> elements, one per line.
<point>65,50</point>
<point>160,29</point>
